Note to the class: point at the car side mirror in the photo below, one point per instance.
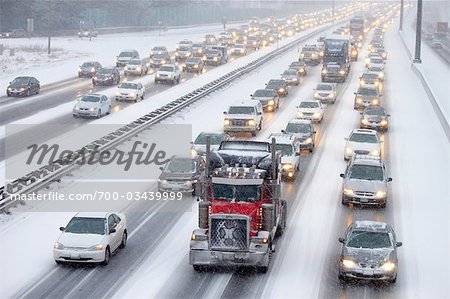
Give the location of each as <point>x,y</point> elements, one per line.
<point>112,231</point>
<point>192,142</point>
<point>341,240</point>
<point>225,112</point>
<point>345,138</point>
<point>251,95</point>
<point>354,93</point>
<point>62,228</point>
<point>161,168</point>
<point>9,82</point>
<point>389,179</point>
<point>398,244</point>
<point>260,113</point>
<point>283,131</point>
<point>297,153</point>
<point>341,175</point>
<point>388,115</point>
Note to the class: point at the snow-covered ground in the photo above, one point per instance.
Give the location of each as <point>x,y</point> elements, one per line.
<point>435,70</point>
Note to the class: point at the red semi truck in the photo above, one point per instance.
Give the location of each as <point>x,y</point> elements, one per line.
<point>240,211</point>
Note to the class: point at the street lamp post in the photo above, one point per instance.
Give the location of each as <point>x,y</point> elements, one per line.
<point>418,32</point>
<point>401,15</point>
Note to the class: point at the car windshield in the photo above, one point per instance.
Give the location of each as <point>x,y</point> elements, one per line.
<point>134,62</point>
<point>159,56</point>
<point>308,49</point>
<point>159,49</point>
<point>214,138</point>
<point>264,93</point>
<point>375,68</point>
<point>367,91</point>
<point>274,84</point>
<point>241,110</point>
<point>241,193</point>
<point>324,87</point>
<point>368,239</point>
<point>197,45</point>
<point>290,73</point>
<point>183,48</point>
<point>193,60</point>
<point>84,225</point>
<point>166,68</point>
<point>125,54</point>
<point>308,105</point>
<point>181,165</point>
<point>239,46</point>
<point>285,149</point>
<point>105,71</point>
<point>370,76</point>
<point>184,42</point>
<point>295,64</point>
<point>366,172</point>
<point>333,68</point>
<point>365,138</point>
<point>128,86</point>
<point>374,111</point>
<point>298,128</point>
<point>376,60</point>
<point>88,64</point>
<point>20,81</point>
<point>212,52</point>
<point>90,99</point>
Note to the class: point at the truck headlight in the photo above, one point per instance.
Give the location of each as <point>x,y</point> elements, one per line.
<point>226,122</point>
<point>342,72</point>
<point>349,264</point>
<point>375,153</point>
<point>58,246</point>
<point>381,193</point>
<point>309,140</point>
<point>388,266</point>
<point>348,191</point>
<point>251,122</point>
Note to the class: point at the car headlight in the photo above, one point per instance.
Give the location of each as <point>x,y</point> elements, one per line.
<point>358,100</point>
<point>367,60</point>
<point>98,247</point>
<point>126,68</point>
<point>349,150</point>
<point>157,75</point>
<point>302,55</point>
<point>342,72</point>
<point>138,69</point>
<point>215,58</point>
<point>381,193</point>
<point>22,89</point>
<point>226,122</point>
<point>281,90</point>
<point>271,102</point>
<point>375,102</point>
<point>362,82</point>
<point>365,121</point>
<point>132,94</point>
<point>58,246</point>
<point>313,55</point>
<point>117,93</point>
<point>79,69</point>
<point>162,181</point>
<point>9,88</point>
<point>242,50</point>
<point>200,51</point>
<point>92,69</point>
<point>375,153</point>
<point>316,94</point>
<point>288,166</point>
<point>194,152</point>
<point>302,70</point>
<point>251,122</point>
<point>324,71</point>
<point>93,109</point>
<point>348,263</point>
<point>388,266</point>
<point>309,140</point>
<point>316,114</point>
<point>384,122</point>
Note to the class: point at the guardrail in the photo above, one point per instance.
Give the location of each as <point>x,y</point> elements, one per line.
<point>441,117</point>
<point>48,174</point>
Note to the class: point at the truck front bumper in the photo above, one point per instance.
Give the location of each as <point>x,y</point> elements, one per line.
<point>223,258</point>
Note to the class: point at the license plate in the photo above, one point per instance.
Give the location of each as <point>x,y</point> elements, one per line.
<point>228,257</point>
<point>365,200</point>
<point>75,256</point>
<point>367,272</point>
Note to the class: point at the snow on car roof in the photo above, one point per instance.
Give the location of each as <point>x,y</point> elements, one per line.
<point>371,225</point>
<point>92,214</point>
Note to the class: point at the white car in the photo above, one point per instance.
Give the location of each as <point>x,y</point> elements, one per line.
<point>185,43</point>
<point>376,62</point>
<point>92,105</point>
<point>325,92</point>
<point>168,73</point>
<point>362,142</point>
<point>158,50</point>
<point>311,109</point>
<point>239,50</point>
<point>130,91</point>
<point>245,116</point>
<point>91,238</point>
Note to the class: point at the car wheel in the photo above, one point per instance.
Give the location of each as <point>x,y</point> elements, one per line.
<point>142,96</point>
<point>109,111</point>
<point>253,133</point>
<point>107,257</point>
<point>344,201</point>
<point>124,240</point>
<point>342,278</point>
<point>8,94</point>
<point>99,113</point>
<point>59,262</point>
<point>28,93</point>
<point>311,149</point>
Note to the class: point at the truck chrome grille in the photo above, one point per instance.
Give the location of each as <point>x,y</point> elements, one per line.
<point>229,232</point>
<point>239,122</point>
<point>364,193</point>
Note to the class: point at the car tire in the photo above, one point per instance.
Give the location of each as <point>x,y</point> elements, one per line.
<point>383,204</point>
<point>107,257</point>
<point>124,240</point>
<point>99,113</point>
<point>344,201</point>
<point>38,90</point>
<point>109,111</point>
<point>8,94</point>
<point>59,262</point>
<point>28,93</point>
<point>311,149</point>
<point>142,96</point>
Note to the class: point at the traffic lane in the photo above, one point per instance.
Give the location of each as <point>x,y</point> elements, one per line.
<point>148,223</point>
<point>331,286</point>
<point>66,122</point>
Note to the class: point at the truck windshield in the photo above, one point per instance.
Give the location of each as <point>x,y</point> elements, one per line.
<point>241,193</point>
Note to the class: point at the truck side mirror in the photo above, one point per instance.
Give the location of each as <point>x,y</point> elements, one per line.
<point>224,112</point>
<point>341,240</point>
<point>398,244</point>
<point>341,175</point>
<point>283,131</point>
<point>62,228</point>
<point>389,179</point>
<point>161,168</point>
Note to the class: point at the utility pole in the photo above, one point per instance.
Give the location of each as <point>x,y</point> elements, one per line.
<point>48,28</point>
<point>401,15</point>
<point>418,32</point>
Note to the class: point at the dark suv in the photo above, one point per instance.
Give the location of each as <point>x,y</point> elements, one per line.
<point>106,76</point>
